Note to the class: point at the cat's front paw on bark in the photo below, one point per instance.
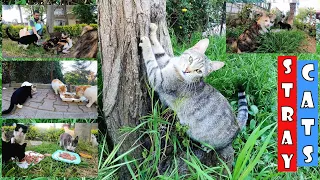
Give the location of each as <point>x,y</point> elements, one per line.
<point>145,42</point>
<point>153,28</point>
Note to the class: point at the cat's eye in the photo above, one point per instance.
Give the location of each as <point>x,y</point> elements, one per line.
<point>190,60</point>
<point>199,71</point>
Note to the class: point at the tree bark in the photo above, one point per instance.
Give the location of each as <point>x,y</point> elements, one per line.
<point>291,13</point>
<point>83,131</point>
<point>65,14</point>
<point>21,19</point>
<point>125,100</point>
<point>50,18</point>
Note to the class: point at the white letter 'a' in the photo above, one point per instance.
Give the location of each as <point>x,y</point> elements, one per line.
<point>307,101</point>
<point>286,139</point>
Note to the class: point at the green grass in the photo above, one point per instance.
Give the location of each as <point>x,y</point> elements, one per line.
<point>294,41</point>
<point>52,168</point>
<point>10,49</point>
<point>282,42</point>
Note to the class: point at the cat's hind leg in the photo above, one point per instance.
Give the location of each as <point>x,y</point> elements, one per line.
<point>160,54</point>
<point>153,70</point>
<point>19,106</point>
<point>90,103</point>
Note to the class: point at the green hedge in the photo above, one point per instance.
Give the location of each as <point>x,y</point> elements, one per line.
<point>14,30</point>
<point>51,134</point>
<point>72,30</point>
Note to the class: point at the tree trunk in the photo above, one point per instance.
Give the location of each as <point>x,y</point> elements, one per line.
<point>83,130</point>
<point>21,19</point>
<point>122,23</point>
<point>223,18</point>
<point>291,13</point>
<point>50,18</point>
<point>65,14</point>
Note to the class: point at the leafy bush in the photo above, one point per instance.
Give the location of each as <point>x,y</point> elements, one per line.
<point>33,71</point>
<point>33,133</point>
<point>72,30</point>
<point>52,134</point>
<point>309,29</point>
<point>187,16</point>
<point>95,131</point>
<point>283,41</point>
<point>8,128</point>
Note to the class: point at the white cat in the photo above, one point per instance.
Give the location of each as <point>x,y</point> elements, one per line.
<point>58,86</point>
<point>67,46</point>
<point>89,92</point>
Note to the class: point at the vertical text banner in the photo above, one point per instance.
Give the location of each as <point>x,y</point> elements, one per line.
<point>307,106</point>
<point>287,113</point>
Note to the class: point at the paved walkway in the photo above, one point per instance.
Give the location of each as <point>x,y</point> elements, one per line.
<point>46,105</point>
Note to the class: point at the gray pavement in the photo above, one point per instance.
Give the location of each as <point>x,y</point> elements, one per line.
<point>47,105</point>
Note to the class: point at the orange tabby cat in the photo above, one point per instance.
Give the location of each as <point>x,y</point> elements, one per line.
<point>58,86</point>
<point>89,92</point>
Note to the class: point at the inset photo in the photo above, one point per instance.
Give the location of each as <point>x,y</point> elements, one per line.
<point>56,31</point>
<point>68,2</point>
<point>50,149</point>
<point>49,89</point>
<point>271,27</point>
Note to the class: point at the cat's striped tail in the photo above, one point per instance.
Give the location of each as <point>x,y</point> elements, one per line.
<point>242,116</point>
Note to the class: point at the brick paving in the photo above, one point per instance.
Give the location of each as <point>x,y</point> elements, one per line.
<point>46,105</point>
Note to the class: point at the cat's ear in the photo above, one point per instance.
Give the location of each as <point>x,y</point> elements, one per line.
<point>201,46</point>
<point>215,65</point>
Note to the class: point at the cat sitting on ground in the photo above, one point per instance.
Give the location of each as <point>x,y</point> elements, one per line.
<point>19,97</point>
<point>248,40</point>
<point>89,92</point>
<point>179,83</point>
<point>58,86</point>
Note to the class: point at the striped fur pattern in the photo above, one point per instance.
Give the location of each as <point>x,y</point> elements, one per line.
<point>179,82</point>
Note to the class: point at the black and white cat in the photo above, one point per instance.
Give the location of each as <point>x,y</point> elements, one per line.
<point>16,136</point>
<point>10,150</point>
<point>25,40</point>
<point>19,96</point>
<point>284,25</point>
<point>13,143</point>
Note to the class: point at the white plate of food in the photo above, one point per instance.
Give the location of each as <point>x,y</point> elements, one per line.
<point>31,158</point>
<point>69,97</point>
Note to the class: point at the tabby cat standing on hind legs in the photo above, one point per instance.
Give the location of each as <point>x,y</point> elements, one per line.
<point>179,82</point>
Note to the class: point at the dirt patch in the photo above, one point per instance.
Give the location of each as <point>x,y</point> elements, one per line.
<point>310,46</point>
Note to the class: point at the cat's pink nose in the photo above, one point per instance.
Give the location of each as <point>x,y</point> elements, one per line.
<point>187,70</point>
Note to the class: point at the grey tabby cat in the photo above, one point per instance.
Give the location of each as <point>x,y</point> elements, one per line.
<point>179,82</point>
